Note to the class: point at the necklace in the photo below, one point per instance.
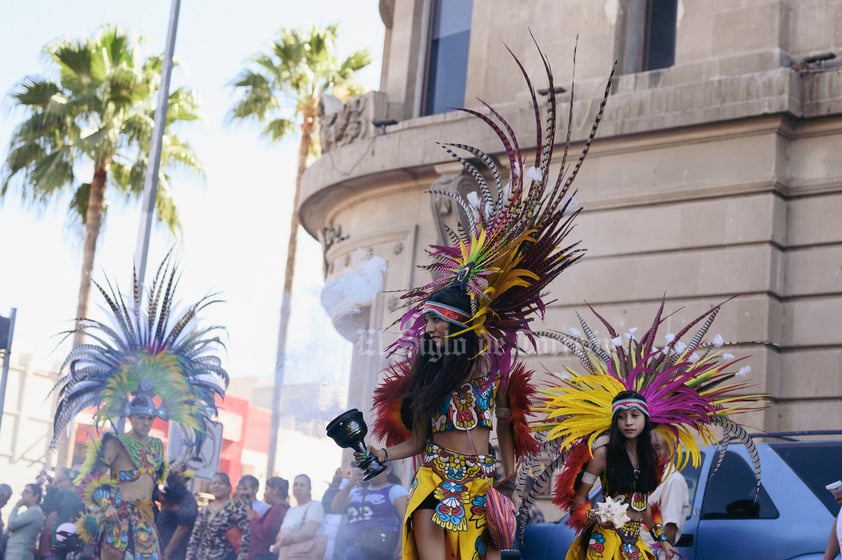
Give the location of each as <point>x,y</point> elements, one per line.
<point>134,446</point>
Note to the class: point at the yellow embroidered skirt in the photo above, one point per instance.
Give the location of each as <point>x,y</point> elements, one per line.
<point>458,484</point>
<point>134,532</point>
<point>599,543</point>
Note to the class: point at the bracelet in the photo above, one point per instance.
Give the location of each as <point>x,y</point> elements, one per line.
<point>502,412</point>
<point>657,533</point>
<point>385,454</point>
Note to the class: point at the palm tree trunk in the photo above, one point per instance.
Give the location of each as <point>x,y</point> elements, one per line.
<point>286,299</point>
<point>93,223</point>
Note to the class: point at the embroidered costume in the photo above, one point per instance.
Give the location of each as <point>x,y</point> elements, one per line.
<point>146,361</point>
<point>457,482</point>
<point>687,387</point>
<point>471,405</point>
<point>134,530</point>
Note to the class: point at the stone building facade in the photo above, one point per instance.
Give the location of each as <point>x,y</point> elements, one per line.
<point>717,171</point>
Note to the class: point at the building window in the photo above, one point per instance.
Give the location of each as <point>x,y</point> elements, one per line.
<point>646,37</point>
<point>660,34</point>
<point>447,58</point>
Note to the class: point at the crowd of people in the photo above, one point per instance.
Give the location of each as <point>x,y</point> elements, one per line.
<point>234,524</point>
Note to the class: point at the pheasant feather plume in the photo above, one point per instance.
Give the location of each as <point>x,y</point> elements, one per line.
<point>145,347</point>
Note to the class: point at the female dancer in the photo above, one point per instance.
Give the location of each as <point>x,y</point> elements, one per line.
<point>627,465</point>
<point>462,336</point>
<point>452,400</point>
<point>627,387</point>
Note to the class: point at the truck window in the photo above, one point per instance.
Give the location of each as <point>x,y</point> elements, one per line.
<point>691,476</point>
<point>731,491</point>
<point>816,464</point>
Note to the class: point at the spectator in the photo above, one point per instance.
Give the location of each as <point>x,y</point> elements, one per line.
<point>301,523</point>
<point>5,494</point>
<point>213,536</point>
<point>671,498</point>
<point>265,528</point>
<point>177,516</point>
<point>24,526</point>
<point>834,540</point>
<point>333,489</point>
<point>247,489</point>
<point>45,544</point>
<point>374,512</point>
<point>44,550</point>
<point>61,505</point>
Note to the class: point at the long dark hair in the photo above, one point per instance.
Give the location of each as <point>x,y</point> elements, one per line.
<point>620,477</point>
<point>438,371</point>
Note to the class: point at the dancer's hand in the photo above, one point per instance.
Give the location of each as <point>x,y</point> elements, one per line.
<point>110,513</point>
<point>370,452</point>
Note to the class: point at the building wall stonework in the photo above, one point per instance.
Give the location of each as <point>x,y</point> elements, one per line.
<point>716,177</point>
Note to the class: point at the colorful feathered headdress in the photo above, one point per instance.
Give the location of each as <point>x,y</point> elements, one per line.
<point>510,243</point>
<point>512,239</point>
<point>146,349</point>
<point>689,388</point>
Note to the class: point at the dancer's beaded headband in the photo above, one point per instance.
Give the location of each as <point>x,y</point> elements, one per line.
<point>630,403</point>
<point>448,313</point>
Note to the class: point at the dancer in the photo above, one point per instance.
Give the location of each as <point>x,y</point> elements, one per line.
<point>454,397</point>
<point>627,466</point>
<point>457,376</point>
<point>144,364</point>
<point>601,422</point>
<point>135,461</point>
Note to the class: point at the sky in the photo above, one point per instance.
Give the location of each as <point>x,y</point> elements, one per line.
<point>235,220</point>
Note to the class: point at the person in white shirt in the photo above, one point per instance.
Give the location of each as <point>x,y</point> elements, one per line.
<point>834,540</point>
<point>671,497</point>
<point>302,523</point>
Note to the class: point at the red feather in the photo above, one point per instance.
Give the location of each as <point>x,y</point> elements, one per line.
<point>388,397</point>
<point>579,516</point>
<point>521,393</point>
<point>565,490</point>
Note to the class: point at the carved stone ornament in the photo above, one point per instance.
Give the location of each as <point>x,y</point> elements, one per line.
<point>332,234</point>
<point>341,124</point>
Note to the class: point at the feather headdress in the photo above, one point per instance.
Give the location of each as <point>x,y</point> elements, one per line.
<point>688,387</point>
<point>511,242</point>
<point>147,348</point>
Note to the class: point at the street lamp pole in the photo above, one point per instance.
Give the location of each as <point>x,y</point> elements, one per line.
<point>7,331</point>
<point>150,185</point>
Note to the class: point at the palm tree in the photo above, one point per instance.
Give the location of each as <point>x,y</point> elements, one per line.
<point>99,111</point>
<point>281,88</point>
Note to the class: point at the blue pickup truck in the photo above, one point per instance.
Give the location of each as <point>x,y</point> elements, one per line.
<point>790,518</point>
